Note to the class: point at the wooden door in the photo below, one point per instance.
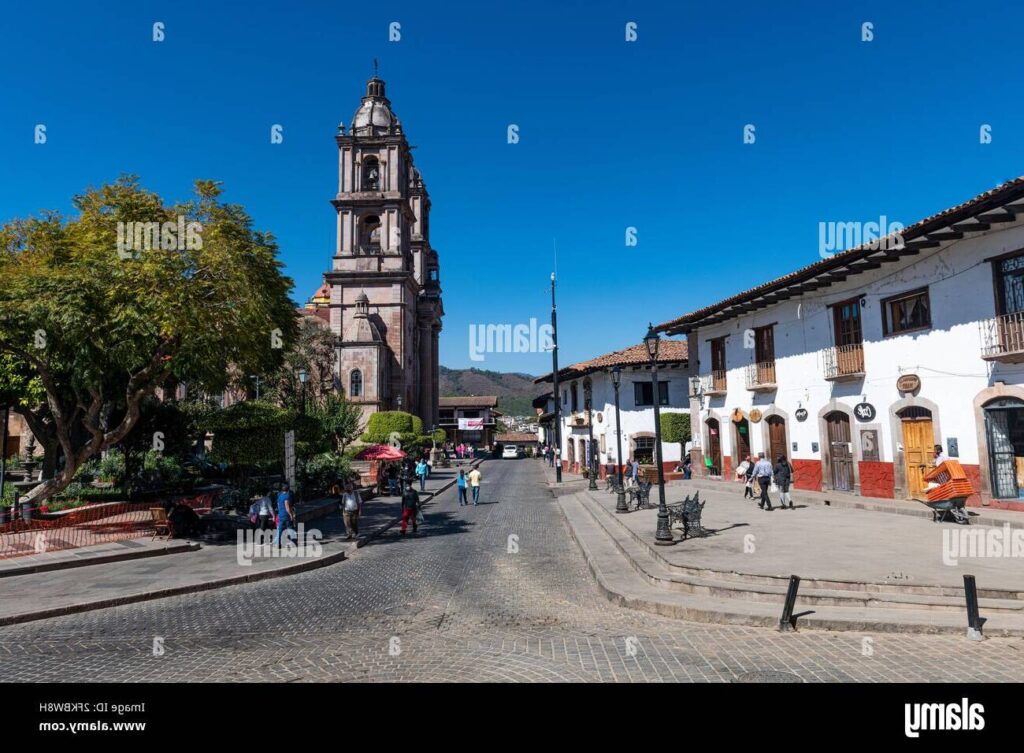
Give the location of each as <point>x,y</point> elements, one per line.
<point>741,430</point>
<point>918,449</point>
<point>714,447</point>
<point>840,451</point>
<point>776,438</point>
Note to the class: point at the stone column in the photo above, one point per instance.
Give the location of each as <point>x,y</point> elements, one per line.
<point>435,377</point>
<point>426,409</point>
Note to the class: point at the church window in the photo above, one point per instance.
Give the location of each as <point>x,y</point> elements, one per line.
<point>356,383</point>
<point>371,174</point>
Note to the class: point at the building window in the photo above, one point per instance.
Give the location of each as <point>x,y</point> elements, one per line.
<point>355,382</point>
<point>1010,285</point>
<point>371,174</point>
<point>446,416</point>
<point>718,380</point>
<point>906,313</point>
<point>575,397</point>
<point>643,394</point>
<point>470,414</point>
<point>643,450</point>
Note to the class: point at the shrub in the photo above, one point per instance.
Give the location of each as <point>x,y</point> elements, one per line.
<point>326,469</point>
<point>112,466</point>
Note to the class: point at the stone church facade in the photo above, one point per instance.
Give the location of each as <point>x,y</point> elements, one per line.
<point>385,289</point>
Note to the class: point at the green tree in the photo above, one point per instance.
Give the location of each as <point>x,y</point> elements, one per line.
<point>314,351</point>
<point>340,419</point>
<point>102,323</point>
<point>675,427</point>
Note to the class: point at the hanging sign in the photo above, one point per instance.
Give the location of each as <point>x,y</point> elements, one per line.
<point>908,383</point>
<point>801,414</point>
<point>737,415</point>
<point>471,423</point>
<point>755,415</point>
<point>864,411</point>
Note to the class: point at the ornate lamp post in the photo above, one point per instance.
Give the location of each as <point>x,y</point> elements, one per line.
<point>554,387</point>
<point>620,497</point>
<point>588,397</point>
<point>664,534</point>
<point>303,377</point>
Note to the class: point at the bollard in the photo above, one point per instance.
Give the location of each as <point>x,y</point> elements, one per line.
<point>974,620</point>
<point>787,623</point>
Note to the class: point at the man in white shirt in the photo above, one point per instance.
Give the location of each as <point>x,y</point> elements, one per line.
<point>763,476</point>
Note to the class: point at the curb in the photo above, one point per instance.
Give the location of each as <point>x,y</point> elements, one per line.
<point>187,546</point>
<point>176,591</point>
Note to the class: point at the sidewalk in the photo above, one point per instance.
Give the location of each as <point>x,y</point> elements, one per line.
<point>30,591</point>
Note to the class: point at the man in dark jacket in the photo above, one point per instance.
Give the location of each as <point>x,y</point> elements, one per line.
<point>410,503</point>
<point>783,478</point>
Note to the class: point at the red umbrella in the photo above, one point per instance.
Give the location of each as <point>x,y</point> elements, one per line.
<point>381,452</point>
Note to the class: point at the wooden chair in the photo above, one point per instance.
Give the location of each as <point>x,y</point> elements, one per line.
<point>161,525</point>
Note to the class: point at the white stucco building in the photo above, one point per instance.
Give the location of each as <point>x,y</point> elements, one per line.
<point>856,366</point>
<point>636,406</point>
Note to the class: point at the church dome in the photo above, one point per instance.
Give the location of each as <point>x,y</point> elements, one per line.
<point>374,116</point>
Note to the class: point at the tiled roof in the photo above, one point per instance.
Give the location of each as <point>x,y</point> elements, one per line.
<point>669,351</point>
<point>484,401</point>
<point>990,200</point>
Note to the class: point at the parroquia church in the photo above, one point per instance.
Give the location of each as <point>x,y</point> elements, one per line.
<point>384,287</point>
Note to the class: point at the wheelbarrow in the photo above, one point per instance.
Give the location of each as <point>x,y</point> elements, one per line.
<point>949,509</point>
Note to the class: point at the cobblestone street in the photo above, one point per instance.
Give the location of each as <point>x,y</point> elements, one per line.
<point>461,601</point>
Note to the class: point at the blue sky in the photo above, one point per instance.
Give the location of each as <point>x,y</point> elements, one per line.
<point>646,134</point>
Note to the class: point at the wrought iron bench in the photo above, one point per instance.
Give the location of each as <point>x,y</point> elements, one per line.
<point>688,512</point>
<point>640,494</point>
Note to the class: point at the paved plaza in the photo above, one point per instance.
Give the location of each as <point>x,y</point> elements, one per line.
<point>498,592</point>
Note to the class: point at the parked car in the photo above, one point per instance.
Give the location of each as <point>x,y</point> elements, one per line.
<point>510,451</point>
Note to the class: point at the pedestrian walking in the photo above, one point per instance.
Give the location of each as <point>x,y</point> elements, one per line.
<point>351,506</point>
<point>748,472</point>
<point>285,516</point>
<point>783,478</point>
<point>421,473</point>
<point>410,506</point>
<point>265,511</point>
<point>392,476</point>
<point>474,483</point>
<point>763,476</point>
<point>461,485</point>
<point>687,467</point>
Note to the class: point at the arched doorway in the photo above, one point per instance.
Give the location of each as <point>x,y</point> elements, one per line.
<point>777,446</point>
<point>918,446</point>
<point>741,440</point>
<point>1004,430</point>
<point>840,451</point>
<point>714,447</point>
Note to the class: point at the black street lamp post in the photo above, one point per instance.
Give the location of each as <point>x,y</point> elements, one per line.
<point>620,497</point>
<point>554,387</point>
<point>664,535</point>
<point>588,395</point>
<point>303,376</point>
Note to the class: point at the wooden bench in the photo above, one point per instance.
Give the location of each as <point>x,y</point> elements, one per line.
<point>688,512</point>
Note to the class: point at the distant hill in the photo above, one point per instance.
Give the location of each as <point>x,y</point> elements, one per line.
<point>515,391</point>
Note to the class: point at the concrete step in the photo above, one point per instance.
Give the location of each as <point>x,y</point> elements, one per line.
<point>999,598</point>
<point>621,583</point>
<point>649,564</point>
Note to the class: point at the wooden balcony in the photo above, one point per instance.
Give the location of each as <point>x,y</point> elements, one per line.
<point>713,384</point>
<point>844,362</point>
<point>1002,338</point>
<point>761,376</point>
<point>579,418</point>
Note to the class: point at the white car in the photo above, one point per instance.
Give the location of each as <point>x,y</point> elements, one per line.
<point>510,451</point>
